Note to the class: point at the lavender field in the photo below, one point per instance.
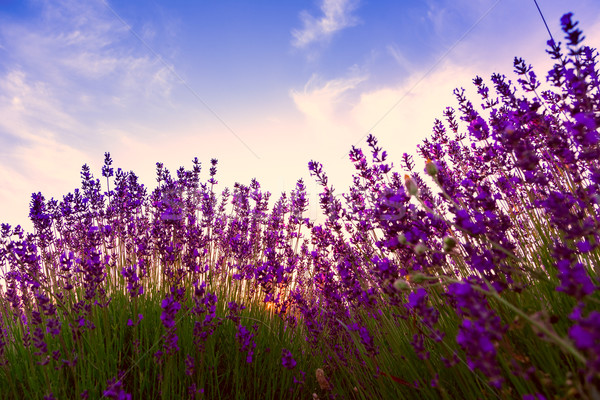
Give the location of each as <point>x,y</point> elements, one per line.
<point>470,273</point>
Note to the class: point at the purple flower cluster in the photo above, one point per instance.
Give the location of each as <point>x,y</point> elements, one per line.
<point>585,333</point>
<point>205,313</point>
<point>427,316</point>
<point>114,389</point>
<point>234,311</point>
<point>245,339</point>
<point>287,360</point>
<point>480,332</point>
<point>171,306</point>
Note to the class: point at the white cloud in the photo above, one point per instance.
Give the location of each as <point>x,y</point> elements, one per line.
<point>28,108</point>
<point>33,154</point>
<point>402,116</point>
<point>91,65</point>
<point>80,45</point>
<point>400,58</point>
<point>337,15</point>
<point>447,18</point>
<point>42,166</point>
<point>319,100</point>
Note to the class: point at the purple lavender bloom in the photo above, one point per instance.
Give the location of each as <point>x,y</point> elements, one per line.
<point>170,307</point>
<point>3,342</point>
<point>38,342</point>
<point>480,332</point>
<point>234,311</point>
<point>194,391</point>
<point>131,323</point>
<point>574,279</point>
<point>417,304</point>
<point>246,342</point>
<point>301,379</point>
<point>115,389</point>
<point>134,286</point>
<point>287,360</point>
<point>171,342</point>
<point>189,365</point>
<point>585,333</point>
<point>53,326</point>
<point>41,219</point>
<point>479,129</point>
<point>536,396</point>
<point>205,305</point>
<point>107,171</point>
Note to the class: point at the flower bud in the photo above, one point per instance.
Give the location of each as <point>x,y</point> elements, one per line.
<point>411,185</point>
<point>401,284</point>
<point>449,243</point>
<point>431,168</point>
<point>402,239</point>
<point>420,249</point>
<point>418,278</point>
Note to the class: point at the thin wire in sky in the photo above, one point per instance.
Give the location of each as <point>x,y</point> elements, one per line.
<point>183,81</point>
<point>428,72</point>
<point>543,19</point>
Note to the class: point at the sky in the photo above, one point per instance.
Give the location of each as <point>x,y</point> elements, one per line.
<point>262,86</point>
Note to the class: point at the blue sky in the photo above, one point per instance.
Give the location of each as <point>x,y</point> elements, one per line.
<point>263,86</point>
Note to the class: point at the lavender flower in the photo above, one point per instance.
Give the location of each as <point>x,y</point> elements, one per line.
<point>575,280</point>
<point>287,360</point>
<point>585,333</point>
<point>480,332</point>
<point>115,389</point>
<point>245,340</point>
<point>170,308</point>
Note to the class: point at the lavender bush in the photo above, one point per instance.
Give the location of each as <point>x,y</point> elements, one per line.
<point>476,278</point>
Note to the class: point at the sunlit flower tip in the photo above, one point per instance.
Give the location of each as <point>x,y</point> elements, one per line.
<point>401,284</point>
<point>402,238</point>
<point>411,185</point>
<point>449,243</point>
<point>420,249</point>
<point>431,168</point>
<point>323,383</point>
